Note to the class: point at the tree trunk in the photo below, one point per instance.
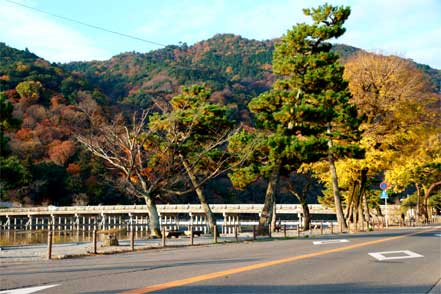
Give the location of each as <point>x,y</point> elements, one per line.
<point>305,210</point>
<point>306,215</point>
<point>418,210</point>
<point>427,193</point>
<point>363,180</point>
<point>337,200</point>
<point>155,229</point>
<point>274,217</point>
<point>360,213</point>
<point>425,206</point>
<point>362,198</point>
<point>367,214</point>
<point>267,210</point>
<point>211,221</point>
<point>350,202</point>
<point>379,213</point>
<point>354,214</point>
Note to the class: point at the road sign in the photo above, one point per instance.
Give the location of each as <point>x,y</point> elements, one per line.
<point>384,196</point>
<point>383,186</point>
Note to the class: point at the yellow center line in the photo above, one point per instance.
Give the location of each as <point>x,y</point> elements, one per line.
<point>242,269</point>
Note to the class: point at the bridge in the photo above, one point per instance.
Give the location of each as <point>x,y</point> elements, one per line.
<point>135,217</point>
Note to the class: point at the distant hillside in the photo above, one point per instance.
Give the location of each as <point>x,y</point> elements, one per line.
<point>45,98</point>
<point>235,68</point>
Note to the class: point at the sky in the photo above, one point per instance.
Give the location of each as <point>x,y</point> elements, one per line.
<point>408,28</point>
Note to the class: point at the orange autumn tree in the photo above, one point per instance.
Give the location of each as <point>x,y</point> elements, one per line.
<point>60,151</point>
<point>143,163</point>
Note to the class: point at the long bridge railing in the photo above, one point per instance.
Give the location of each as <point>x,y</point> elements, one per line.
<point>135,217</point>
<point>165,208</point>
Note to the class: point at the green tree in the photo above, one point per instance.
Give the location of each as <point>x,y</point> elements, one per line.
<point>7,123</point>
<point>198,131</point>
<point>29,91</point>
<point>13,175</point>
<point>12,172</point>
<point>276,150</point>
<point>319,76</point>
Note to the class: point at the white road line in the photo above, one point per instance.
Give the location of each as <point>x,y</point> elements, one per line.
<point>27,290</point>
<point>331,241</point>
<point>424,227</point>
<point>400,254</point>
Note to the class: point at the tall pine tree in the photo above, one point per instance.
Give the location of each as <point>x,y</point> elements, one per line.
<point>313,73</point>
<point>306,115</point>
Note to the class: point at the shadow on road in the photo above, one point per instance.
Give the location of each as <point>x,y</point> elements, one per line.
<point>310,289</point>
<point>106,292</point>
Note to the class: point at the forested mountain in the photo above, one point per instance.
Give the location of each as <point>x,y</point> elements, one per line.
<point>235,68</point>
<point>44,96</point>
<point>39,159</point>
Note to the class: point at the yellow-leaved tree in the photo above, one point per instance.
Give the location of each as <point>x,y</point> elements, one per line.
<point>398,105</point>
<point>420,166</point>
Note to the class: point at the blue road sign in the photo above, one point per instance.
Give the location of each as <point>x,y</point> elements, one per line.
<point>383,194</point>
<point>383,186</point>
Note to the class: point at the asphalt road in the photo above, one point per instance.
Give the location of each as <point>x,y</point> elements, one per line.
<point>412,264</point>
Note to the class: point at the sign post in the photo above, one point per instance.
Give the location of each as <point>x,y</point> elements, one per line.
<point>383,186</point>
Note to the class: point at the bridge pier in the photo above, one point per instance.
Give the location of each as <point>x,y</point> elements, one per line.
<point>129,226</point>
<point>169,221</point>
<point>231,220</point>
<point>198,221</point>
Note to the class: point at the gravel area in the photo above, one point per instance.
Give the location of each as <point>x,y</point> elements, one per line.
<point>38,252</point>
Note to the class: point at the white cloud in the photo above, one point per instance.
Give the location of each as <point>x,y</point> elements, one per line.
<point>49,39</point>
